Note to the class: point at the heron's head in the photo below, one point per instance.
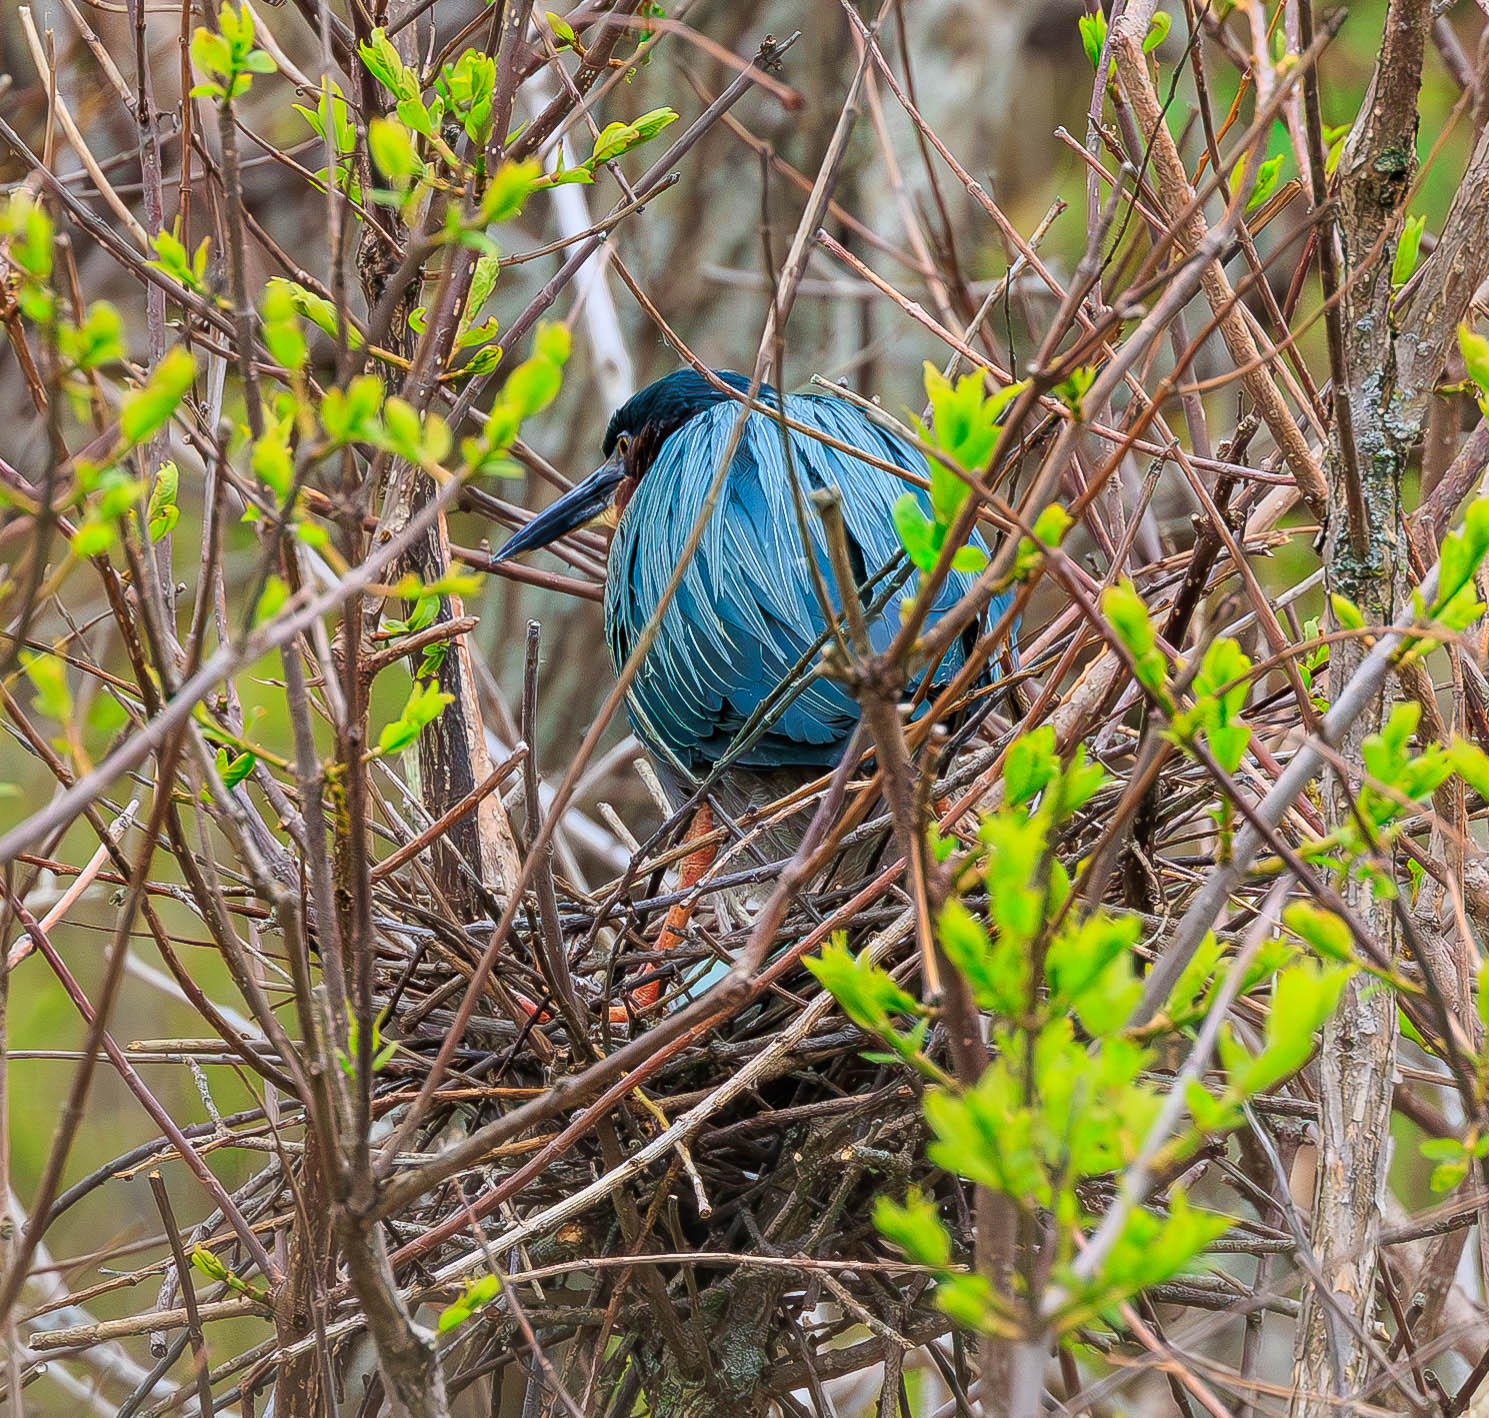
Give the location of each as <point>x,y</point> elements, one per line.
<point>633,438</point>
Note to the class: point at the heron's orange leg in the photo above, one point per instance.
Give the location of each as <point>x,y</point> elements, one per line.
<point>674,928</point>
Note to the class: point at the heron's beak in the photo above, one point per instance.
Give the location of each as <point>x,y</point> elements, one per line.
<point>581,505</point>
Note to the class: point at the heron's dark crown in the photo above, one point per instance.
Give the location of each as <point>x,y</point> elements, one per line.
<point>662,408</point>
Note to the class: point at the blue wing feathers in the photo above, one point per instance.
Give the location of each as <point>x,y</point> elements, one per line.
<point>745,612</point>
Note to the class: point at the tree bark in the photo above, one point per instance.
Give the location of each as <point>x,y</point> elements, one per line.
<point>311,1271</point>
<point>453,757</point>
<point>406,1353</point>
<point>1372,437</point>
<point>452,753</point>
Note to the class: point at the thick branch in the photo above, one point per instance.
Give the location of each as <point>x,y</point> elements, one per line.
<point>1363,563</point>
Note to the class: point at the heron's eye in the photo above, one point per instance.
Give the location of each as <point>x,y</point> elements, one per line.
<point>623,444</point>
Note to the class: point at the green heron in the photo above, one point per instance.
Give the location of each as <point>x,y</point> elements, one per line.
<point>707,701</point>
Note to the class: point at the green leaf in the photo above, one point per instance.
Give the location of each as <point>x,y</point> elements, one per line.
<point>1093,36</point>
<point>653,121</point>
<point>1347,614</point>
<point>482,283</point>
<point>145,411</point>
<point>968,559</point>
<point>1408,246</point>
<point>1223,672</point>
<point>1335,139</point>
<point>117,494</point>
<point>1323,931</point>
<point>453,1316</point>
<point>948,493</point>
<point>350,415</point>
<point>26,223</point>
<point>917,532</point>
<point>1471,764</point>
<point>510,186</point>
<point>272,461</point>
<point>964,424</point>
<point>985,1137</point>
<point>1461,555</point>
<point>92,538</point>
<point>281,327</point>
<point>275,594</point>
<point>1220,688</point>
<point>1072,390</point>
<point>969,1300</point>
<point>452,583</point>
<point>616,139</point>
<point>1266,180</point>
<point>404,431</point>
<point>1031,765</point>
<point>1443,1149</point>
<point>384,64</point>
<point>483,1290</point>
<point>426,702</point>
<point>1127,614</point>
<point>229,56</point>
<point>106,716</point>
<point>864,991</point>
<point>1446,1176</point>
<point>553,342</point>
<point>943,846</point>
<point>414,113</point>
<point>1051,525</point>
<point>998,974</point>
<point>1211,1114</point>
<point>1303,997</point>
<point>533,385</point>
<point>163,512</point>
<point>97,341</point>
<point>234,768</point>
<point>1197,976</point>
<point>208,1263</point>
<point>1158,28</point>
<point>478,1292</point>
<point>1475,350</point>
<point>384,1056</point>
<point>331,119</point>
<point>468,335</point>
<point>466,89</point>
<point>211,53</point>
<point>319,311</point>
<point>1151,1249</point>
<point>392,149</point>
<point>565,177</point>
<point>48,677</point>
<point>1089,969</point>
<point>915,1228</point>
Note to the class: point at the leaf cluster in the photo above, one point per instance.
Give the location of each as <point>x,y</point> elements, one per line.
<point>964,431</point>
<point>1068,1096</point>
<point>228,56</point>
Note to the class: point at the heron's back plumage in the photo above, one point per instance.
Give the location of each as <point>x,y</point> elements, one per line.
<point>745,613</point>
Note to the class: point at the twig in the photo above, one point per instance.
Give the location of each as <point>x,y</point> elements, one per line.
<point>84,879</point>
